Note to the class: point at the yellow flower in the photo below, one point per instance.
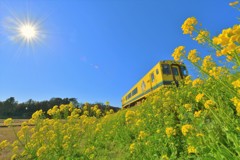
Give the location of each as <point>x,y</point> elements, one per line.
<point>111,111</point>
<point>164,157</point>
<point>142,135</point>
<point>233,3</point>
<point>129,116</point>
<point>170,131</point>
<point>139,122</point>
<point>14,157</point>
<point>186,128</point>
<point>238,108</point>
<point>199,97</point>
<point>178,52</point>
<point>216,72</point>
<point>37,114</point>
<point>191,149</point>
<point>188,80</point>
<point>207,63</point>
<point>41,150</point>
<point>132,147</point>
<point>63,107</point>
<point>199,135</point>
<point>4,144</point>
<point>188,107</point>
<point>8,122</point>
<point>86,113</point>
<point>197,82</point>
<point>236,83</point>
<point>193,57</point>
<point>189,25</point>
<point>208,104</point>
<point>228,42</point>
<point>85,107</point>
<point>98,112</point>
<point>197,113</point>
<point>202,36</point>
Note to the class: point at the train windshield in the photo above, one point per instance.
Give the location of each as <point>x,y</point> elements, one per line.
<point>184,71</point>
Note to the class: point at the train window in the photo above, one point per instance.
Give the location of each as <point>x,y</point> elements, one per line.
<point>166,69</point>
<point>184,71</point>
<point>175,71</point>
<point>143,86</point>
<point>129,96</point>
<point>134,91</point>
<point>152,77</point>
<point>157,71</point>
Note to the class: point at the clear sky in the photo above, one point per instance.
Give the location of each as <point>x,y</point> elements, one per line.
<point>96,50</point>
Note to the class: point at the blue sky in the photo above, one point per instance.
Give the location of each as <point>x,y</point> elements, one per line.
<point>97,50</point>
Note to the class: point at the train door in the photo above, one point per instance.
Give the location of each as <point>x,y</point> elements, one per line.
<point>152,80</point>
<point>176,72</point>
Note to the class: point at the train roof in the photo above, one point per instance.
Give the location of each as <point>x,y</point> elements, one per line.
<point>170,61</point>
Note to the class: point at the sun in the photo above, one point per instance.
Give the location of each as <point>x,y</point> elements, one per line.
<point>28,32</point>
<point>25,31</point>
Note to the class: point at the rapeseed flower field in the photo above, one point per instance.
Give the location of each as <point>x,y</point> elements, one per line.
<point>200,119</point>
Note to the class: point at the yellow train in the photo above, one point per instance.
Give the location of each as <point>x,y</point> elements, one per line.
<point>162,74</point>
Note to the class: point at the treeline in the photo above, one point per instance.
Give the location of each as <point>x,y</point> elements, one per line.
<point>11,108</point>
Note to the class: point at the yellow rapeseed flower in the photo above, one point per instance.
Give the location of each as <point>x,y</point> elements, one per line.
<point>192,56</point>
<point>188,80</point>
<point>208,104</point>
<point>98,112</point>
<point>142,135</point>
<point>191,149</point>
<point>197,113</point>
<point>207,63</point>
<point>178,52</point>
<point>199,97</point>
<point>197,82</point>
<point>8,122</point>
<point>14,157</point>
<point>236,103</point>
<point>129,116</point>
<point>4,144</point>
<point>199,135</point>
<point>37,114</point>
<point>41,150</point>
<point>63,107</point>
<point>189,25</point>
<point>132,147</point>
<point>202,36</point>
<point>86,113</point>
<point>236,83</point>
<point>164,157</point>
<point>186,129</point>
<point>188,107</point>
<point>170,131</point>
<point>217,72</point>
<point>228,42</point>
<point>233,3</point>
<point>111,111</point>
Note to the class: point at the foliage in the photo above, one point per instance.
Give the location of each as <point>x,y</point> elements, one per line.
<point>11,108</point>
<point>197,120</point>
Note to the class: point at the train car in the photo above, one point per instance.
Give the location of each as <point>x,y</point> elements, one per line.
<point>164,73</point>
